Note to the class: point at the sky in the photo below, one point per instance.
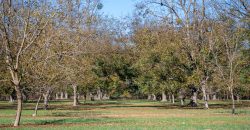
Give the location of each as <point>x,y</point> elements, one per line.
<point>118,8</point>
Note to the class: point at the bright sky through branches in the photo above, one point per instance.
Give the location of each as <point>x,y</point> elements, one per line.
<point>118,8</point>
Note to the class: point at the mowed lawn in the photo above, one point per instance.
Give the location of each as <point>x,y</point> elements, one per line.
<point>128,114</point>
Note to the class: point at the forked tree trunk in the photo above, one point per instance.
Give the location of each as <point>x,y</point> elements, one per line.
<point>164,97</point>
<point>19,105</point>
<point>203,86</point>
<point>16,82</point>
<point>37,103</point>
<point>75,103</point>
<point>99,94</point>
<point>46,99</point>
<point>205,98</point>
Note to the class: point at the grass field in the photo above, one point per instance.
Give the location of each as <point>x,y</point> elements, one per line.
<point>128,114</point>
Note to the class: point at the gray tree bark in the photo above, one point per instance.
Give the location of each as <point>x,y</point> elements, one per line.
<point>61,95</point>
<point>154,97</point>
<point>105,97</point>
<point>208,97</point>
<point>19,105</point>
<point>164,96</point>
<point>99,94</point>
<point>182,102</point>
<point>46,99</point>
<point>76,102</point>
<point>57,96</point>
<point>66,95</point>
<point>203,86</point>
<point>233,102</point>
<point>11,100</point>
<point>37,103</point>
<point>214,97</point>
<point>238,98</point>
<point>173,100</point>
<point>149,96</point>
<point>24,97</point>
<point>194,97</point>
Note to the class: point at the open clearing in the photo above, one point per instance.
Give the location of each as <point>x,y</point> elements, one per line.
<point>127,114</point>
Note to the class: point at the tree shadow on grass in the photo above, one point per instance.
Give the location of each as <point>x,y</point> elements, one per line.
<point>10,106</point>
<point>202,106</point>
<point>57,122</point>
<point>45,122</point>
<point>74,121</point>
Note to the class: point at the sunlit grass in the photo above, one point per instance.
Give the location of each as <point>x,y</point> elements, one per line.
<point>126,114</point>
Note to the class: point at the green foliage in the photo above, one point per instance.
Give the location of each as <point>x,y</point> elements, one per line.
<point>114,75</point>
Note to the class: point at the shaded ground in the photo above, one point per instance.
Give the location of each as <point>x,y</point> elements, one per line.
<point>128,114</point>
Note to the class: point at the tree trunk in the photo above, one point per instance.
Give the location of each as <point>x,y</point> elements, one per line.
<point>233,102</point>
<point>37,103</point>
<point>75,103</point>
<point>194,97</point>
<point>205,97</point>
<point>182,103</point>
<point>214,97</point>
<point>66,95</point>
<point>78,97</point>
<point>238,98</point>
<point>11,100</point>
<point>46,99</point>
<point>154,97</point>
<point>57,96</point>
<point>169,98</point>
<point>99,94</point>
<point>24,97</point>
<point>105,97</point>
<point>164,97</point>
<point>19,105</point>
<point>208,97</point>
<point>61,95</point>
<point>224,96</point>
<point>85,97</point>
<point>149,96</point>
<point>173,100</point>
<point>203,86</point>
<point>193,101</point>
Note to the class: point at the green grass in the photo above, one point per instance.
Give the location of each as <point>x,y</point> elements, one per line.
<point>128,114</point>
